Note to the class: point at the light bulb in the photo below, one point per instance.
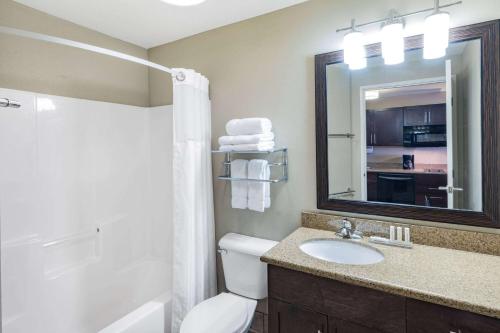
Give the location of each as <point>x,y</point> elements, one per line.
<point>436,35</point>
<point>354,50</point>
<point>393,44</point>
<point>183,2</point>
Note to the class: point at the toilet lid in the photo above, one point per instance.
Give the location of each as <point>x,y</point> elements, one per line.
<point>224,313</point>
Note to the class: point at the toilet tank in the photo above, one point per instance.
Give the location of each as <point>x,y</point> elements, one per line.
<point>244,273</point>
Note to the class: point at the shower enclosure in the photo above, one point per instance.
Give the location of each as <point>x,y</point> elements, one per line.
<point>85,209</point>
<point>106,211</point>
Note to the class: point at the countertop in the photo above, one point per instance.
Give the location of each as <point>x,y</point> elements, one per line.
<point>401,170</point>
<point>458,279</point>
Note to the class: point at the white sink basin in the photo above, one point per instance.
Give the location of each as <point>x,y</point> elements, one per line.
<point>342,251</point>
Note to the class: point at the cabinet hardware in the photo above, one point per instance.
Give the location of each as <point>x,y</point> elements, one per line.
<point>450,189</point>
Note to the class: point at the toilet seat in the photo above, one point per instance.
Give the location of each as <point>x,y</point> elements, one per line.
<point>224,313</point>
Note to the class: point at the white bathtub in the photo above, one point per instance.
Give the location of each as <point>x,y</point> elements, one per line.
<point>152,317</point>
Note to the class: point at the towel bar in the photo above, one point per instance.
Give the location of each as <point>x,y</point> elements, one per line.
<point>283,163</point>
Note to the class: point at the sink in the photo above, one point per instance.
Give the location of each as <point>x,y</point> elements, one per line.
<point>342,251</point>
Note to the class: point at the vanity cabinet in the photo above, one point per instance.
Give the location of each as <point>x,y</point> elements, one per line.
<point>346,306</point>
<point>304,303</point>
<point>424,317</point>
<point>288,318</point>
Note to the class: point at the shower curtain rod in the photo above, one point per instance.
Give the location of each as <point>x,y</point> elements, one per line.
<point>67,42</point>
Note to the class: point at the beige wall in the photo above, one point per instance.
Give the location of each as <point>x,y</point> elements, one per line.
<point>59,70</point>
<point>265,67</point>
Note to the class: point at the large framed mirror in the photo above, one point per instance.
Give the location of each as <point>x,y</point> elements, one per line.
<point>418,140</point>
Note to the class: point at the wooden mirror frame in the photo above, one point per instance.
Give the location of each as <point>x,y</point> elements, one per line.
<point>489,34</point>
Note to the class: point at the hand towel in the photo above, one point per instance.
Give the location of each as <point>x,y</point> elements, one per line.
<point>239,189</point>
<point>245,139</point>
<point>257,169</point>
<point>264,146</point>
<point>248,126</point>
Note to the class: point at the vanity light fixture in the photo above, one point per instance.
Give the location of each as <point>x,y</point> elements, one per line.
<point>393,43</point>
<point>354,49</point>
<point>183,3</point>
<point>436,36</point>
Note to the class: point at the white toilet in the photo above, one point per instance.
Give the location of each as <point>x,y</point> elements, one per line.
<point>246,279</point>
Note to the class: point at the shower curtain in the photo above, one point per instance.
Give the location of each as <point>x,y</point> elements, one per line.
<point>194,276</point>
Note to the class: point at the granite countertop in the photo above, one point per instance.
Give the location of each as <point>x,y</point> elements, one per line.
<point>401,170</point>
<point>430,169</point>
<point>458,279</point>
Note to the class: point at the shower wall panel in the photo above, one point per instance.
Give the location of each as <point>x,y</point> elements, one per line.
<point>84,211</point>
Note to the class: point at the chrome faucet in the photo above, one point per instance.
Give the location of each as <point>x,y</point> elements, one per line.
<point>347,232</point>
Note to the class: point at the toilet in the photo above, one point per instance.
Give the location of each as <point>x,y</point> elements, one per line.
<point>246,280</point>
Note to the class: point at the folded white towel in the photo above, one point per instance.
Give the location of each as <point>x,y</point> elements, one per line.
<point>239,189</point>
<point>264,146</point>
<point>257,169</point>
<point>245,139</point>
<point>248,126</point>
<point>267,189</point>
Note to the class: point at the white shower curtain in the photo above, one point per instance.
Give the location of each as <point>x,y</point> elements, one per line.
<point>194,277</point>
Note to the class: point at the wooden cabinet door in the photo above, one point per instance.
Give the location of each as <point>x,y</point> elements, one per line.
<point>419,115</point>
<point>371,178</point>
<point>427,191</point>
<point>424,317</point>
<point>369,127</point>
<point>341,326</point>
<point>416,115</point>
<point>288,318</point>
<point>437,114</point>
<point>388,127</point>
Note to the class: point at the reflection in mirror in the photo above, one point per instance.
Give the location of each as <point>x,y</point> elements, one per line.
<point>410,133</point>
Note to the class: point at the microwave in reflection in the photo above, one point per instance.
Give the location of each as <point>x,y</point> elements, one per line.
<point>424,136</point>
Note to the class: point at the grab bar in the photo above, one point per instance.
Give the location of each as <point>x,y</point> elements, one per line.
<point>8,103</point>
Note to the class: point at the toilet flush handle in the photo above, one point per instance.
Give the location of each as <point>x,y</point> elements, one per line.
<point>222,251</point>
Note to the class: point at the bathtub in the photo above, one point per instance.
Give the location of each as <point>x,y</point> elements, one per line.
<point>152,317</point>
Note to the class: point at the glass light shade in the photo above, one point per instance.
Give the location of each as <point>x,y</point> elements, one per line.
<point>183,2</point>
<point>354,50</point>
<point>371,95</point>
<point>436,35</point>
<point>359,64</point>
<point>393,43</point>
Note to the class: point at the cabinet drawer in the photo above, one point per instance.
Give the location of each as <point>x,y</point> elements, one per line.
<point>288,318</point>
<point>372,308</point>
<point>431,318</point>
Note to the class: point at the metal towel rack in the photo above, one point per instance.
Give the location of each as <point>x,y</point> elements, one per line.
<point>228,157</point>
<point>8,103</point>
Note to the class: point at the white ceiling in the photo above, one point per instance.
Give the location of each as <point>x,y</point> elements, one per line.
<point>149,23</point>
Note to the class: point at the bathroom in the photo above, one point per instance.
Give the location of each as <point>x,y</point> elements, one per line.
<point>93,184</point>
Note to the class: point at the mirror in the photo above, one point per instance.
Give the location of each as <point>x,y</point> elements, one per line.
<point>417,140</point>
<point>410,133</point>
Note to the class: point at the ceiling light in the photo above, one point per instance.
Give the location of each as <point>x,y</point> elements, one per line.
<point>436,35</point>
<point>354,50</point>
<point>183,2</point>
<point>393,43</point>
<point>371,95</point>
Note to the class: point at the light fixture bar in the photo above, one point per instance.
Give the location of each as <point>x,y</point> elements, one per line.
<point>401,16</point>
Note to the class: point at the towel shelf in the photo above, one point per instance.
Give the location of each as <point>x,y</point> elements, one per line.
<point>283,164</point>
